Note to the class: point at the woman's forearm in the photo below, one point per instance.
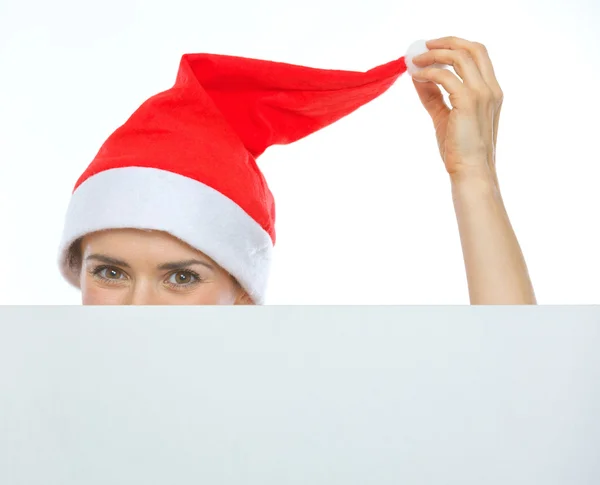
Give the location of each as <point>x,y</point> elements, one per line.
<point>496,269</point>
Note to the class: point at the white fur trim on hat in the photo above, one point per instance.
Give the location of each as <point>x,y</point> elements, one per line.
<point>148,198</point>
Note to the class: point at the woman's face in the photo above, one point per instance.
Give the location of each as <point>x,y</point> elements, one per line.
<point>134,267</point>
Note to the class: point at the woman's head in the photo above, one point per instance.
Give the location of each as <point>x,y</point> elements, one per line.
<point>185,164</point>
<point>135,267</point>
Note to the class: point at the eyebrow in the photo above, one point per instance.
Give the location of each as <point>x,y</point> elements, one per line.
<point>184,264</point>
<point>108,260</point>
<point>166,266</point>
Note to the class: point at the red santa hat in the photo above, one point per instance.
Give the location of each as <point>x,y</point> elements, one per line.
<point>185,161</point>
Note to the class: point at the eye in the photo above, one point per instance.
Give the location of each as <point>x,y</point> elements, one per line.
<point>109,273</point>
<point>183,278</point>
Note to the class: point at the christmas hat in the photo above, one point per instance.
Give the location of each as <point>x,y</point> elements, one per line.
<point>185,161</point>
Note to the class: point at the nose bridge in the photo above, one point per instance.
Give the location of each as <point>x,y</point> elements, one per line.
<point>143,292</point>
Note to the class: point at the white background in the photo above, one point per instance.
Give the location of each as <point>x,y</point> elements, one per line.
<point>299,395</point>
<point>364,208</point>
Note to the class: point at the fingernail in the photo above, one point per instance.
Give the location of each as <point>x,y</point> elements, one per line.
<point>417,59</point>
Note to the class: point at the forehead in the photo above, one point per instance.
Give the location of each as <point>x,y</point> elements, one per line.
<point>138,244</point>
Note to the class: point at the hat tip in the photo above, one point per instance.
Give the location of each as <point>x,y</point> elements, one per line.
<point>415,49</point>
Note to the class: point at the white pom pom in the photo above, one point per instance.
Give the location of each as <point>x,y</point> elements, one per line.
<point>416,49</point>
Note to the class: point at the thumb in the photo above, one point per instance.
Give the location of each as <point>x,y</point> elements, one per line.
<point>432,99</point>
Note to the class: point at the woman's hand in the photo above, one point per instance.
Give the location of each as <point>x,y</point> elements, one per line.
<point>466,136</point>
<point>467,132</point>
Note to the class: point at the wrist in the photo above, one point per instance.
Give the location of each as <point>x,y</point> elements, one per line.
<point>475,190</point>
<point>474,178</point>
